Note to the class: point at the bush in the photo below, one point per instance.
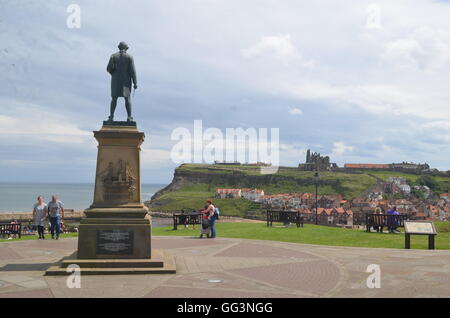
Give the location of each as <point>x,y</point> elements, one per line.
<point>428,181</point>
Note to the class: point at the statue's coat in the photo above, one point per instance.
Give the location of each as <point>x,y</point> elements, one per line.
<point>121,67</point>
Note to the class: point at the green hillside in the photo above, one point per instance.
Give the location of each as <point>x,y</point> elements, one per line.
<point>195,183</point>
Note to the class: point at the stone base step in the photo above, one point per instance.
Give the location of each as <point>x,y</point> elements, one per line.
<point>161,263</point>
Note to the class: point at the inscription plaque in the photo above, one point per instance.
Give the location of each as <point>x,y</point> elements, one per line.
<point>420,227</point>
<point>115,242</point>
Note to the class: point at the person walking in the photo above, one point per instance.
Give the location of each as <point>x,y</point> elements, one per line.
<point>55,215</point>
<point>212,216</point>
<point>40,211</point>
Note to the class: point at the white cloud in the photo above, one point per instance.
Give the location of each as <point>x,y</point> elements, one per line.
<point>424,48</point>
<point>279,46</point>
<point>37,124</point>
<point>295,111</point>
<point>155,157</point>
<point>340,148</point>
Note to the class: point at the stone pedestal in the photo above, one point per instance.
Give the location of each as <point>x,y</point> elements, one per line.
<point>117,225</point>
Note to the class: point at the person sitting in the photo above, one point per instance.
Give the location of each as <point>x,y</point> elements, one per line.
<point>378,220</point>
<point>392,220</point>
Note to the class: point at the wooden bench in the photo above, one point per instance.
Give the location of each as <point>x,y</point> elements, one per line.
<point>284,216</point>
<point>186,219</point>
<point>7,229</point>
<point>385,220</point>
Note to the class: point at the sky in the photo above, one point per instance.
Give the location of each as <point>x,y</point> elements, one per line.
<point>360,81</point>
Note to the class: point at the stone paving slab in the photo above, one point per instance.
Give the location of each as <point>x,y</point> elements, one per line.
<point>317,277</point>
<point>7,253</point>
<point>252,250</point>
<point>182,292</point>
<point>226,268</point>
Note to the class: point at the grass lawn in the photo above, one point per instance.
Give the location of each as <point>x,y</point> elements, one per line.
<point>310,234</point>
<point>35,237</point>
<point>316,234</point>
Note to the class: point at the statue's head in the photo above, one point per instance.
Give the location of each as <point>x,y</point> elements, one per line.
<point>123,46</point>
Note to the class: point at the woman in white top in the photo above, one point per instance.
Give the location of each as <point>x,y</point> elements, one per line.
<point>210,211</point>
<point>40,211</point>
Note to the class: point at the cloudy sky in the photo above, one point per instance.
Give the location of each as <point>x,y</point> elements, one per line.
<point>361,81</point>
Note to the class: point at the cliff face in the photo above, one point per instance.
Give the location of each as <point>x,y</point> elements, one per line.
<point>235,179</point>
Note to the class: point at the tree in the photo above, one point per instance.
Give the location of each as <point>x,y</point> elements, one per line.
<point>428,181</point>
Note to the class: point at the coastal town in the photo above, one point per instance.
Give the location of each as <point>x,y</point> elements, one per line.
<point>334,209</point>
<point>417,202</point>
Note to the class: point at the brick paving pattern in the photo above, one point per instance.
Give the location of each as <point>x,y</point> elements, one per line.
<point>227,268</point>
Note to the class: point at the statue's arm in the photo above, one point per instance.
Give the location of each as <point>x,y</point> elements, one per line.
<point>111,67</point>
<point>133,72</point>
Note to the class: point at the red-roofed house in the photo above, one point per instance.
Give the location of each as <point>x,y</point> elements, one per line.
<point>228,193</point>
<point>445,196</point>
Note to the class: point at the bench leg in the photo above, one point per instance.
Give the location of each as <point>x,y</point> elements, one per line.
<point>175,225</point>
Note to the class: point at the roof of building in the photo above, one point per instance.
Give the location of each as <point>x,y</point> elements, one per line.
<point>252,190</point>
<point>366,166</point>
<point>228,190</point>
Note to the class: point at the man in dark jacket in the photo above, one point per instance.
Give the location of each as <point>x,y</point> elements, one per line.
<point>123,73</point>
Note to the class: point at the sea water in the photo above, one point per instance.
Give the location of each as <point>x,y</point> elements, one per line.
<point>20,197</point>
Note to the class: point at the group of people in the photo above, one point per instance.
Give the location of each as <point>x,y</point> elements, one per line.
<point>392,222</point>
<point>210,214</point>
<point>53,211</point>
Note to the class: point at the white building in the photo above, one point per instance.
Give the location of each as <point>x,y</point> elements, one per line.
<point>405,188</point>
<point>252,194</point>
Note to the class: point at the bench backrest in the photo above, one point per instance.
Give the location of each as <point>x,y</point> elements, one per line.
<point>283,216</point>
<point>386,219</point>
<point>10,228</point>
<point>187,218</point>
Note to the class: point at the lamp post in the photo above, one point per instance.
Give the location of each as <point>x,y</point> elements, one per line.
<point>316,179</point>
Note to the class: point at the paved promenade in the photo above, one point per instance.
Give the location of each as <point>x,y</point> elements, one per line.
<point>235,268</point>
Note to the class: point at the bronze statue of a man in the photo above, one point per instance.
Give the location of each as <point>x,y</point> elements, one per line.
<point>123,73</point>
